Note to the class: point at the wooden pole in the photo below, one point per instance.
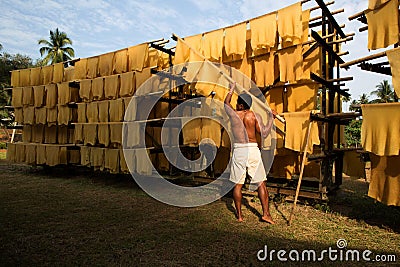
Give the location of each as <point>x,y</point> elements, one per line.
<point>317,7</point>
<point>156,40</point>
<point>350,38</point>
<point>344,79</point>
<point>301,172</point>
<point>333,13</point>
<point>360,60</point>
<point>162,42</point>
<point>359,14</point>
<point>343,53</point>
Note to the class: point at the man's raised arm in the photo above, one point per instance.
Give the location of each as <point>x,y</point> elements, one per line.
<point>228,107</point>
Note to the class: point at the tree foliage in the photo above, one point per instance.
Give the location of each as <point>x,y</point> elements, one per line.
<point>57,48</point>
<point>362,100</point>
<point>9,62</point>
<point>384,92</point>
<point>352,133</point>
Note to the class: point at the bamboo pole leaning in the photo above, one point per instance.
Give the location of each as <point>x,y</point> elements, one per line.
<point>301,172</point>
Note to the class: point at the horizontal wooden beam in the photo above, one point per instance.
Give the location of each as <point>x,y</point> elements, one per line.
<point>333,13</point>
<point>162,49</point>
<point>359,14</point>
<point>317,7</point>
<point>162,43</point>
<point>344,115</point>
<point>328,84</point>
<point>156,40</point>
<point>361,17</point>
<point>360,60</point>
<point>15,127</point>
<point>319,23</point>
<point>332,120</point>
<point>350,38</point>
<point>168,75</point>
<point>340,79</point>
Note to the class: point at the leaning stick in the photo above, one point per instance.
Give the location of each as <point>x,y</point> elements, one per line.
<point>301,172</point>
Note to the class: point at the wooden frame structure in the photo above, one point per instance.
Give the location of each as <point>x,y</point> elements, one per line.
<point>331,85</point>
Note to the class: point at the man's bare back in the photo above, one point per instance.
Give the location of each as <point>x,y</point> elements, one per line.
<point>245,131</point>
<point>246,123</point>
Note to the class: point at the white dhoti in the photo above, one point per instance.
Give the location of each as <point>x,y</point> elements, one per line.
<point>247,157</point>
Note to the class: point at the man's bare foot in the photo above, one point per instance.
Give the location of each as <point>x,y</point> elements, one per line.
<point>240,219</point>
<point>267,219</point>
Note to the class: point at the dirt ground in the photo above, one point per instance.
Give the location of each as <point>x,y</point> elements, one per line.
<point>79,217</point>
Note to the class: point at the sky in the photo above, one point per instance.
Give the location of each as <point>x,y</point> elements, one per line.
<point>100,26</point>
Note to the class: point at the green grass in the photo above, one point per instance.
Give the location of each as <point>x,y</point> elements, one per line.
<point>66,217</point>
<point>3,155</point>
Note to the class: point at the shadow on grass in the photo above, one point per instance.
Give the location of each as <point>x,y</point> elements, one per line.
<point>230,205</point>
<point>45,221</point>
<point>77,172</point>
<point>281,213</point>
<point>352,201</point>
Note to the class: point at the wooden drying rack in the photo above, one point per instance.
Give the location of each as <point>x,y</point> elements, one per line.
<point>330,84</point>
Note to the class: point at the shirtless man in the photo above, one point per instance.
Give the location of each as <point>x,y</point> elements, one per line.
<point>246,154</point>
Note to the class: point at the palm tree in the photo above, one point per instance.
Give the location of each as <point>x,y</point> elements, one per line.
<point>56,48</point>
<point>353,105</point>
<point>384,93</point>
<point>364,99</point>
<point>346,99</point>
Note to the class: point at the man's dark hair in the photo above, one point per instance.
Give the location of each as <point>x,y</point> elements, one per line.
<point>245,100</point>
